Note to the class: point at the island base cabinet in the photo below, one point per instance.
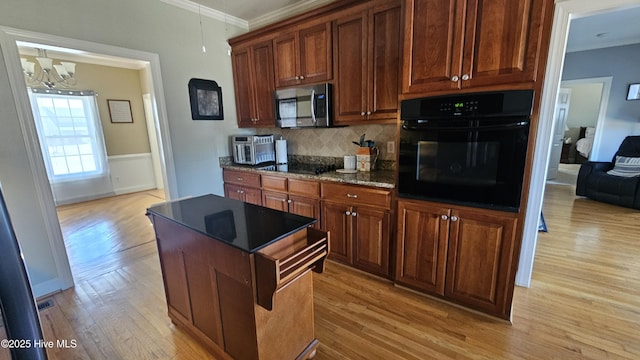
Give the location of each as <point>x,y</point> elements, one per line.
<point>217,293</point>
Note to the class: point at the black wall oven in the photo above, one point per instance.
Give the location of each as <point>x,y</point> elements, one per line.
<point>467,149</point>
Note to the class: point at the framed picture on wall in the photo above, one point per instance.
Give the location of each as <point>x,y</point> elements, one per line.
<point>206,100</point>
<point>120,111</point>
<point>634,92</point>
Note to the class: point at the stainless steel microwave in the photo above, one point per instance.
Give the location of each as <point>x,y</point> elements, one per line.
<point>305,106</point>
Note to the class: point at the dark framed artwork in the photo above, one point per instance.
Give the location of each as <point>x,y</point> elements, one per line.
<point>634,92</point>
<point>221,225</point>
<point>206,100</point>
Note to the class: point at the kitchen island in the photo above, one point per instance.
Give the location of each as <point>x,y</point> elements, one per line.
<point>238,277</point>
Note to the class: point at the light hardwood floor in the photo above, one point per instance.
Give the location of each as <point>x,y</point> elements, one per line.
<point>584,302</point>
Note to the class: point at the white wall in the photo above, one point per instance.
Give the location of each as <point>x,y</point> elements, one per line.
<point>21,193</point>
<point>174,34</point>
<point>146,25</point>
<point>622,115</point>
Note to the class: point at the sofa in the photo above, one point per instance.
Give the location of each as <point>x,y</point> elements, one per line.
<point>616,182</point>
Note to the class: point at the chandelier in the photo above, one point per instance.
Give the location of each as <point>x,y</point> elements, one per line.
<point>47,73</point>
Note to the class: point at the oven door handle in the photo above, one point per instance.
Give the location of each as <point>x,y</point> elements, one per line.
<point>515,125</point>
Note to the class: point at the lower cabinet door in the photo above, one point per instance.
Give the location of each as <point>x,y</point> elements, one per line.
<point>275,200</point>
<point>371,236</point>
<point>421,253</point>
<point>480,261</point>
<point>233,192</point>
<point>305,207</point>
<point>252,196</point>
<point>336,218</point>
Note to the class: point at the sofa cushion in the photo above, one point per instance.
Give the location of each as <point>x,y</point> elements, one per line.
<point>626,166</point>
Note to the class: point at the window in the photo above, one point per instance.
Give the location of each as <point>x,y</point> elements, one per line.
<point>70,135</point>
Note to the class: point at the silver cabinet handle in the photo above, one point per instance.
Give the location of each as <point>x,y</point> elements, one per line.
<point>444,217</point>
<point>362,113</point>
<point>352,196</point>
<point>455,78</point>
<point>465,77</point>
<point>454,218</point>
<point>354,214</point>
<point>347,213</point>
<point>301,77</point>
<point>240,179</point>
<point>368,112</point>
<point>289,201</point>
<point>297,77</point>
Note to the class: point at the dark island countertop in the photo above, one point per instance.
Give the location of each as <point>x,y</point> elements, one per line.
<point>245,226</point>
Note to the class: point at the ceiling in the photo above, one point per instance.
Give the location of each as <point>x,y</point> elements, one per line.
<point>613,28</point>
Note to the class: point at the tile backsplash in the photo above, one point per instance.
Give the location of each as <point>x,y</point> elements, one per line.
<point>334,142</point>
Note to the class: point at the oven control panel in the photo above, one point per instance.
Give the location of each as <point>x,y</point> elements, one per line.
<point>488,104</point>
<point>459,107</point>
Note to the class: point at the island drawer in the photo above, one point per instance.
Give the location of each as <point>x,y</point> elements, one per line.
<point>284,261</point>
<point>241,178</point>
<point>356,195</point>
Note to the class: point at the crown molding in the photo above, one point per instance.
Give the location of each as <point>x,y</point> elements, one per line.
<point>208,12</point>
<point>286,12</point>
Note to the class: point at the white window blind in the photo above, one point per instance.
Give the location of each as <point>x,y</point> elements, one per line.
<point>70,135</point>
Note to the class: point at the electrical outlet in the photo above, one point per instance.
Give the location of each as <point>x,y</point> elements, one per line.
<point>391,147</point>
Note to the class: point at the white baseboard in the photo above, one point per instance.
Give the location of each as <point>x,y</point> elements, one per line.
<point>48,287</point>
<point>131,173</point>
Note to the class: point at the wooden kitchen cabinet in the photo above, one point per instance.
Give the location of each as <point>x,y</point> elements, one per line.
<point>254,84</point>
<point>242,185</point>
<point>240,304</point>
<point>367,63</point>
<point>462,254</point>
<point>300,197</point>
<point>303,56</point>
<point>455,44</point>
<point>359,220</point>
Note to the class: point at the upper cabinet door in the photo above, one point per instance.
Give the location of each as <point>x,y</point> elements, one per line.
<point>367,63</point>
<point>384,62</point>
<point>264,87</point>
<point>285,56</point>
<point>243,81</point>
<point>304,56</point>
<point>253,80</point>
<point>432,45</point>
<point>350,92</point>
<point>503,41</point>
<point>315,53</point>
<point>454,44</point>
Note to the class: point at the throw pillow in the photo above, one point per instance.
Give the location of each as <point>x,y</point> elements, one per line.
<point>626,166</point>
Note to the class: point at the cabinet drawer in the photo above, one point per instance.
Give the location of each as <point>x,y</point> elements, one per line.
<point>282,262</point>
<point>304,187</point>
<point>241,178</point>
<point>357,195</point>
<point>275,183</point>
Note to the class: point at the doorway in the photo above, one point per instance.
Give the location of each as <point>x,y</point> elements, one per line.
<point>88,154</point>
<point>8,40</point>
<point>565,12</point>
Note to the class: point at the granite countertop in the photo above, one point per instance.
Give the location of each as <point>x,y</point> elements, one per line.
<point>376,178</point>
<point>242,225</point>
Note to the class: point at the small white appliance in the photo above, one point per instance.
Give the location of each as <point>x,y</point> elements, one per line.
<point>253,149</point>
